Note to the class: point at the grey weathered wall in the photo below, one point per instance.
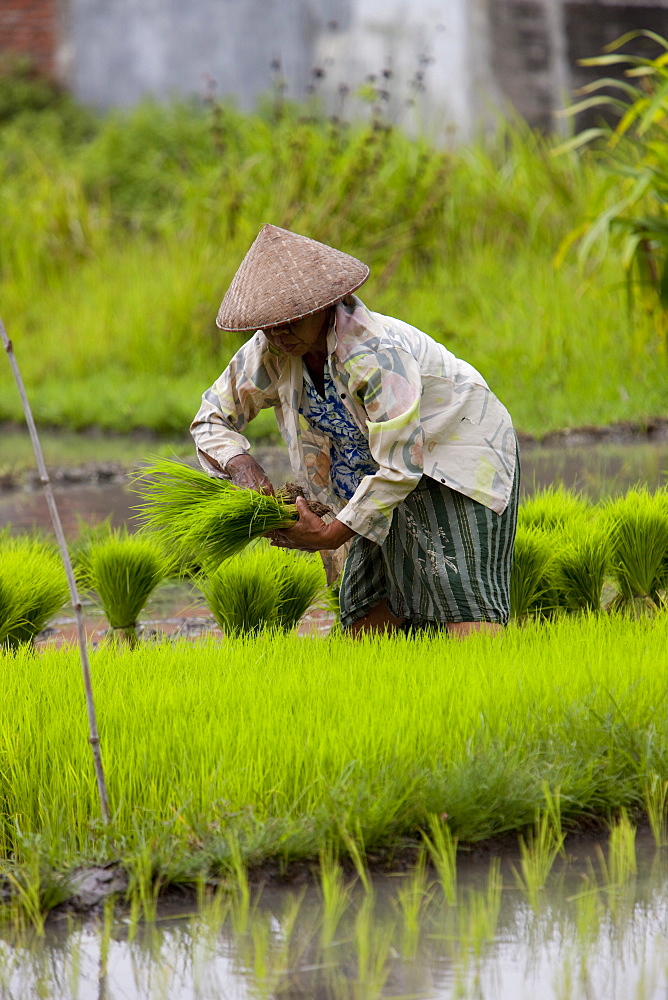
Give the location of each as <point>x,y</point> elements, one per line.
<point>444,65</point>
<point>125,49</point>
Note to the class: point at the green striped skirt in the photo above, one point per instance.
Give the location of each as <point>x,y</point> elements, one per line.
<point>446,558</point>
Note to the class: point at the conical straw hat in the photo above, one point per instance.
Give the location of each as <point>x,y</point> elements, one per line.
<point>285,277</point>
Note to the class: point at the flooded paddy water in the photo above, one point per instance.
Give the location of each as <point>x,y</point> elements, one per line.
<point>597,930</point>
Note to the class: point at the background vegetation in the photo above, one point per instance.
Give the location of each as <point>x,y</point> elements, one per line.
<point>120,236</point>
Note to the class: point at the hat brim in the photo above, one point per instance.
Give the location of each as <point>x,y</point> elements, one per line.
<point>292,318</point>
<point>285,277</point>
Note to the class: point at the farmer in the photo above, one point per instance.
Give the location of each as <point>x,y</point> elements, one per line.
<point>405,442</point>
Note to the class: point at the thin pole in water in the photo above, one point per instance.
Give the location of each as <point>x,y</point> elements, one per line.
<point>93,737</point>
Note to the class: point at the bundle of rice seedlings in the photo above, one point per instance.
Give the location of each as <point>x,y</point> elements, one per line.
<point>532,585</point>
<point>262,588</point>
<point>123,571</point>
<point>301,580</point>
<point>580,566</point>
<point>88,536</point>
<point>213,518</point>
<point>638,525</point>
<point>33,587</point>
<point>242,595</point>
<point>554,507</point>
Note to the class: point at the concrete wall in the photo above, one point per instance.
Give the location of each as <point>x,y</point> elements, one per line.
<point>126,49</point>
<point>441,65</point>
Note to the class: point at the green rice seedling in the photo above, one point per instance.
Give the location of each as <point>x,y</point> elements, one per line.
<point>480,917</point>
<point>241,904</point>
<point>442,848</point>
<point>589,910</point>
<point>553,507</point>
<point>532,585</point>
<point>33,587</point>
<point>373,948</point>
<point>538,852</point>
<point>622,863</point>
<point>208,516</point>
<point>580,566</point>
<point>355,848</point>
<point>335,894</point>
<point>620,867</point>
<point>124,571</point>
<point>638,525</point>
<point>655,798</point>
<point>412,897</point>
<point>144,885</point>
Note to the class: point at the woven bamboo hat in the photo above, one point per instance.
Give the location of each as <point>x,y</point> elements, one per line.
<point>285,277</point>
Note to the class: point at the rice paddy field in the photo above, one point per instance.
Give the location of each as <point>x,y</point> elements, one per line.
<point>278,747</point>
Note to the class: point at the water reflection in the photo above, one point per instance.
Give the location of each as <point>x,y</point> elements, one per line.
<point>583,938</point>
<point>597,471</point>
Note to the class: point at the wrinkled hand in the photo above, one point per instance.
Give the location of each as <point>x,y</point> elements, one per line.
<point>244,471</point>
<point>310,533</point>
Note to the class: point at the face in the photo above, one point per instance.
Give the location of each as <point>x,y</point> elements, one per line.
<point>301,336</point>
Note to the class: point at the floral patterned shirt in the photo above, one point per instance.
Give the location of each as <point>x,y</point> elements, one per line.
<point>422,410</point>
<point>350,457</point>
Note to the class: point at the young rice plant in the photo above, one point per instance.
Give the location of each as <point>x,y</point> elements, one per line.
<point>123,572</point>
<point>33,587</point>
<point>205,515</point>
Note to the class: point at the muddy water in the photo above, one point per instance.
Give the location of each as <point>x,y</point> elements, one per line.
<point>581,938</point>
<point>596,470</point>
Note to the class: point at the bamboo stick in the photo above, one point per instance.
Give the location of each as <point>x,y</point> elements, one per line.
<point>93,737</point>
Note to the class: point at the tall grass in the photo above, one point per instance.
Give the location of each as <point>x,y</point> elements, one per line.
<point>116,263</point>
<point>281,745</point>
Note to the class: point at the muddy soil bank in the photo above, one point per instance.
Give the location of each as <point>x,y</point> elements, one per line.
<point>652,431</point>
<point>86,888</point>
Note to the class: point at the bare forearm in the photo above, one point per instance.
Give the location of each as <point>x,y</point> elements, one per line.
<point>336,534</point>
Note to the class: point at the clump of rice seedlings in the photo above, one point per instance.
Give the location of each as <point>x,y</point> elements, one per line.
<point>33,587</point>
<point>204,515</point>
<point>89,535</point>
<point>553,507</point>
<point>532,585</point>
<point>301,580</point>
<point>263,588</point>
<point>638,525</point>
<point>580,566</point>
<point>123,571</point>
<point>242,595</point>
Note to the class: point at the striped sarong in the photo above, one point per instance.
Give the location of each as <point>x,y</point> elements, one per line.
<point>447,558</point>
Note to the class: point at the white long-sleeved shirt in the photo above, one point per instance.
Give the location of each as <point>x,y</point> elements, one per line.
<point>423,410</point>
